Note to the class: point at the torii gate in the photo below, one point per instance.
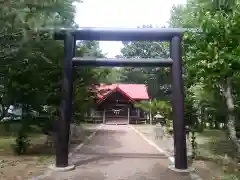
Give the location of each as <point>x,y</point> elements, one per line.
<point>70,36</point>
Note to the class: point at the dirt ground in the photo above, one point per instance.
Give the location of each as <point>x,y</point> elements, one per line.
<point>13,167</point>
<point>35,162</point>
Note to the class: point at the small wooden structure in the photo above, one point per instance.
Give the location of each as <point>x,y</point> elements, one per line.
<point>115,104</point>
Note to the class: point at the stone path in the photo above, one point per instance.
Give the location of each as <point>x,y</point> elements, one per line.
<point>118,153</point>
<point>165,143</point>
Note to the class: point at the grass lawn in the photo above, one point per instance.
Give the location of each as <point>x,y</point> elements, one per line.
<point>216,156</point>
<point>35,162</point>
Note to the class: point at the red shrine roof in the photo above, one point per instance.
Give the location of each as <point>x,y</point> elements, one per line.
<point>132,91</point>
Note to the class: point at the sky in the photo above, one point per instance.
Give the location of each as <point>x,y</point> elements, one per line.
<point>123,14</point>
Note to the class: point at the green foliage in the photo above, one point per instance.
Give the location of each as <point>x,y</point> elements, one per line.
<point>158,80</point>
<point>114,75</point>
<point>155,106</point>
<point>84,78</point>
<point>193,145</point>
<point>211,62</point>
<point>22,144</point>
<point>32,62</point>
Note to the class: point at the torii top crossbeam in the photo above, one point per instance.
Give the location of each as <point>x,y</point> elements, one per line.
<point>119,34</point>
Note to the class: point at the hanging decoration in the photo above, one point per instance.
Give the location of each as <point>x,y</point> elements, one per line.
<point>117,111</point>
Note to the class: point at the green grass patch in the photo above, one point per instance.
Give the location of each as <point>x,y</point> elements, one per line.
<point>38,156</point>
<point>214,146</point>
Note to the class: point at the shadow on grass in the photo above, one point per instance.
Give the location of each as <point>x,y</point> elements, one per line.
<point>216,143</point>
<point>221,148</point>
<point>211,133</point>
<point>213,145</point>
<point>7,129</point>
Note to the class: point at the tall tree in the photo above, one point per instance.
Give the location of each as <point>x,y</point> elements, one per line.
<point>31,62</point>
<point>212,54</point>
<point>157,79</point>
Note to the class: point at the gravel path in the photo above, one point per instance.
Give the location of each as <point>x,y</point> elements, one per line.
<point>165,143</point>
<point>118,153</point>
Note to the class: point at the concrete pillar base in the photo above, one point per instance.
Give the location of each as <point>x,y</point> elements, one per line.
<point>172,167</point>
<point>61,169</point>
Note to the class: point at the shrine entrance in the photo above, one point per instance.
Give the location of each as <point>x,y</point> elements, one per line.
<point>108,34</point>
<point>118,103</point>
<point>117,115</point>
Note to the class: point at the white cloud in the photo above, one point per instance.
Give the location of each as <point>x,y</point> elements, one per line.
<point>122,13</point>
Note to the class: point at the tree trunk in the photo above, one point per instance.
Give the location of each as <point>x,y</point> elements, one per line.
<point>211,124</point>
<point>230,115</point>
<point>204,118</point>
<point>224,125</point>
<point>4,110</point>
<point>216,125</point>
<point>202,126</point>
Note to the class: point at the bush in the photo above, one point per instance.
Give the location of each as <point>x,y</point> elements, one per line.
<point>22,144</point>
<point>169,130</point>
<point>238,130</point>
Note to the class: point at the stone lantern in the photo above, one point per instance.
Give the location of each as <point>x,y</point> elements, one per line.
<point>159,118</point>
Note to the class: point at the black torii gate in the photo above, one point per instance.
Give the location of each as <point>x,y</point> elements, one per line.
<point>109,34</point>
